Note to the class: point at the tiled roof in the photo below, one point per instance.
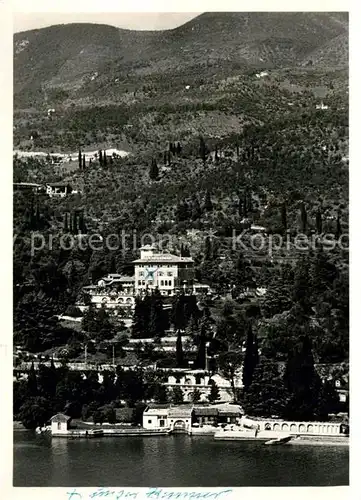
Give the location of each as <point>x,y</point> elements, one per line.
<point>207,411</point>
<point>60,417</point>
<point>163,257</point>
<point>157,411</point>
<point>180,412</point>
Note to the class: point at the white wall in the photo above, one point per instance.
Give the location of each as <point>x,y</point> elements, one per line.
<point>153,421</point>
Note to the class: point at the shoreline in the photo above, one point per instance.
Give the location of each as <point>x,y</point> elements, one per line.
<point>302,441</point>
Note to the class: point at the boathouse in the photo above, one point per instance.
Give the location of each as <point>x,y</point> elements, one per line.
<point>180,418</point>
<point>155,418</point>
<point>60,424</point>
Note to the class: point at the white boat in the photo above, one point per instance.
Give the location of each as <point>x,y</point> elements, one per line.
<point>280,440</point>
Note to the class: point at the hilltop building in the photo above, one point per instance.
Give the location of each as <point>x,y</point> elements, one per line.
<point>58,189</point>
<point>166,272</point>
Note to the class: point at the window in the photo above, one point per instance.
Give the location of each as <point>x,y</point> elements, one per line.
<point>160,273</point>
<point>139,283</point>
<point>161,423</point>
<point>149,421</point>
<point>170,273</point>
<point>59,426</point>
<point>162,283</point>
<point>169,292</point>
<point>141,273</point>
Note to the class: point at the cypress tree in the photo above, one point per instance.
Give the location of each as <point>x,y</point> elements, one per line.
<point>83,162</point>
<point>100,157</point>
<point>153,171</point>
<point>208,202</point>
<point>79,160</point>
<point>303,218</point>
<point>338,225</point>
<point>202,149</point>
<point>32,384</point>
<point>284,216</point>
<point>179,148</point>
<point>165,158</point>
<point>82,226</point>
<point>207,249</point>
<point>250,359</point>
<point>318,221</point>
<point>104,158</point>
<point>200,361</point>
<point>302,382</point>
<point>75,223</point>
<point>240,207</point>
<point>179,350</point>
<point>66,224</point>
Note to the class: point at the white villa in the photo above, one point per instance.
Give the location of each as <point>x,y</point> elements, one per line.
<point>166,272</point>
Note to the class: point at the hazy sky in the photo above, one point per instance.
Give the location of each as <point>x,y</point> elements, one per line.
<point>23,21</point>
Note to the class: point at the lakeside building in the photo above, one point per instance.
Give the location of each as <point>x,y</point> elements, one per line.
<point>168,273</point>
<point>181,418</point>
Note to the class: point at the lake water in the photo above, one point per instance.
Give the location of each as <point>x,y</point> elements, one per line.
<point>173,461</point>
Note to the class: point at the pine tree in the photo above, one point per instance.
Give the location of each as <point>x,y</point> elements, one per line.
<point>213,395</point>
<point>179,350</point>
<point>177,395</point>
<point>267,394</point>
<point>153,171</point>
<point>196,395</point>
<point>196,209</point>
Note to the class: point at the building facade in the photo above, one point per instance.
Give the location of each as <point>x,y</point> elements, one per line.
<point>163,271</point>
<point>189,380</point>
<point>168,273</point>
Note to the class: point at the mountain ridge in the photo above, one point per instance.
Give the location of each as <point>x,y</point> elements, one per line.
<point>70,51</point>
